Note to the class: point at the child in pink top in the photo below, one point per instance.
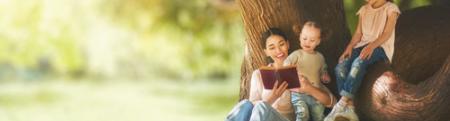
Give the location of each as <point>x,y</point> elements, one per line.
<point>372,41</point>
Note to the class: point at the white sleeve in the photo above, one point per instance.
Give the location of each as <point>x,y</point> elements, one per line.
<point>361,10</point>
<point>256,87</point>
<point>393,9</point>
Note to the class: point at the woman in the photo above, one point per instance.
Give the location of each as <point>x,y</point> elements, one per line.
<point>275,104</point>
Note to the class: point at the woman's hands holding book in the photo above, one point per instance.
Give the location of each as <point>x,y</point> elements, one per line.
<point>276,92</point>
<point>305,86</point>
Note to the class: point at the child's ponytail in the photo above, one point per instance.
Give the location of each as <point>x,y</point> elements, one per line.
<point>297,29</point>
<point>324,33</point>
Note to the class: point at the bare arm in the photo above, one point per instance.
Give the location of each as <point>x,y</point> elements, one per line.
<point>355,40</point>
<point>320,95</point>
<point>356,36</point>
<point>387,32</point>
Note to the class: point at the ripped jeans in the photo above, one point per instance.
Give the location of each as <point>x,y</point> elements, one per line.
<point>306,107</point>
<point>351,71</point>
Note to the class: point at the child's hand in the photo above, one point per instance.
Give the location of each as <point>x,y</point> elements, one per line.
<point>347,53</point>
<point>325,78</point>
<point>366,52</point>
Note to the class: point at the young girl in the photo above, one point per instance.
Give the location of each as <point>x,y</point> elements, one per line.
<point>311,64</point>
<point>372,41</point>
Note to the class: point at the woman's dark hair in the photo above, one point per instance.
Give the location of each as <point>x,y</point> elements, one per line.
<point>390,1</point>
<point>270,32</point>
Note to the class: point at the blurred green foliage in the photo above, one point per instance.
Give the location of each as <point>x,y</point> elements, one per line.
<point>205,36</point>
<point>115,38</point>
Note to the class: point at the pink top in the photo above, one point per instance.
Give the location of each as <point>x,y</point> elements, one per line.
<point>373,21</point>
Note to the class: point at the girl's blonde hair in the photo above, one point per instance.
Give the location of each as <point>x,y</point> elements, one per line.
<point>298,29</point>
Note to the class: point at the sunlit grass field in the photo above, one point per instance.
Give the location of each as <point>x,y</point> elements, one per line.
<point>156,100</point>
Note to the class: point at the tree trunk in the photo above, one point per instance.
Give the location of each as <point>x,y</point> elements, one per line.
<point>415,87</point>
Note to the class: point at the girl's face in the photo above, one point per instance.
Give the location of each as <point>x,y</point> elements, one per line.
<point>309,38</point>
<point>277,48</point>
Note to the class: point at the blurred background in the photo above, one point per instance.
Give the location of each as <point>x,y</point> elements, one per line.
<point>124,60</point>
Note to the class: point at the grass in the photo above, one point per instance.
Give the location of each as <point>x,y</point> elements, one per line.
<point>117,101</point>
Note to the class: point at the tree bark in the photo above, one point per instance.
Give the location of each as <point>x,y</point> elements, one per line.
<point>405,4</point>
<point>415,87</point>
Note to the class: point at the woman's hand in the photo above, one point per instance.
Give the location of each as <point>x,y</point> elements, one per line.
<point>366,52</point>
<point>277,91</point>
<point>347,53</point>
<point>305,85</point>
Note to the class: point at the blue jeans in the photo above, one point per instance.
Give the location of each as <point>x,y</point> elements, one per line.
<point>241,112</point>
<point>306,106</point>
<point>261,111</point>
<point>351,71</point>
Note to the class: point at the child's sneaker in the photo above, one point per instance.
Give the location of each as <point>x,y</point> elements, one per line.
<point>348,114</point>
<point>337,109</point>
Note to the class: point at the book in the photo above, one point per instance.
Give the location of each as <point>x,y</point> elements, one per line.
<point>288,74</point>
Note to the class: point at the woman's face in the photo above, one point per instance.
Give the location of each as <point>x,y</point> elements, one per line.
<point>277,48</point>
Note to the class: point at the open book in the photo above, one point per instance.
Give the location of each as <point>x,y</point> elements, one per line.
<point>289,74</point>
